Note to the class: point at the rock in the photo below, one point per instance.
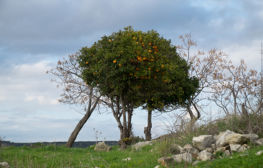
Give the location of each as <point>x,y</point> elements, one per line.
<point>195,162</point>
<point>189,149</point>
<point>227,153</point>
<point>229,137</point>
<point>186,157</point>
<point>140,145</point>
<point>259,141</point>
<point>101,146</point>
<point>251,137</point>
<point>213,146</point>
<point>210,150</point>
<point>166,161</point>
<point>243,148</point>
<point>234,147</point>
<point>4,165</point>
<point>175,149</point>
<point>220,149</point>
<point>203,141</point>
<point>204,155</point>
<point>157,166</point>
<point>259,152</point>
<point>126,159</point>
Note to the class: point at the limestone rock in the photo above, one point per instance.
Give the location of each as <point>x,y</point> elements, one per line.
<point>157,166</point>
<point>234,147</point>
<point>243,148</point>
<point>229,137</point>
<point>184,157</point>
<point>175,149</point>
<point>189,149</point>
<point>203,141</point>
<point>101,146</point>
<point>195,162</point>
<point>140,145</point>
<point>259,141</point>
<point>126,159</point>
<point>220,149</point>
<point>210,150</point>
<point>251,137</point>
<point>4,165</point>
<point>166,161</point>
<point>259,152</point>
<point>227,153</point>
<point>204,155</point>
<point>213,146</point>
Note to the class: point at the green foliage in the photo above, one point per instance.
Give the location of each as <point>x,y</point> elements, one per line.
<point>141,67</point>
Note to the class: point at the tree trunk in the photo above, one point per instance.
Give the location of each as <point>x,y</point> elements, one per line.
<point>147,130</point>
<point>77,129</point>
<point>81,123</point>
<point>130,113</point>
<point>124,125</point>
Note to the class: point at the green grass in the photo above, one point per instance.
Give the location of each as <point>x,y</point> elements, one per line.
<point>62,157</point>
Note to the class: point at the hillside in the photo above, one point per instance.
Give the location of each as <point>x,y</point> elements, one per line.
<point>148,156</point>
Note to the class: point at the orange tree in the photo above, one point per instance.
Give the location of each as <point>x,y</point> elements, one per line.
<point>137,68</point>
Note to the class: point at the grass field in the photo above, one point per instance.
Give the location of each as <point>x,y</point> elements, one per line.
<point>61,157</point>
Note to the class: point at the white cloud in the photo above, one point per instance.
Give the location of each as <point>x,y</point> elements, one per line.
<point>250,53</point>
<point>29,83</point>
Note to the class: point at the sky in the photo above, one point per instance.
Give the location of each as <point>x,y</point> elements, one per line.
<point>35,34</point>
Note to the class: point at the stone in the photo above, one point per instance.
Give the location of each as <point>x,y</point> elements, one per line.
<point>189,149</point>
<point>220,149</point>
<point>195,162</point>
<point>259,142</point>
<point>227,153</point>
<point>213,146</point>
<point>101,146</point>
<point>251,137</point>
<point>243,148</point>
<point>209,150</point>
<point>183,157</point>
<point>229,137</point>
<point>204,155</point>
<point>203,141</point>
<point>259,152</point>
<point>140,145</point>
<point>126,159</point>
<point>166,161</point>
<point>157,166</point>
<point>4,165</point>
<point>175,149</point>
<point>234,147</point>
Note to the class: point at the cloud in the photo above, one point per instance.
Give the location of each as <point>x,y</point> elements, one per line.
<point>35,34</point>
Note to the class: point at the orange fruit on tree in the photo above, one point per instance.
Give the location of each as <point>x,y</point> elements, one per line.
<point>114,61</point>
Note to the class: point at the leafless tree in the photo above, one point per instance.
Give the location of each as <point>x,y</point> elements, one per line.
<point>236,87</point>
<point>67,74</point>
<point>202,65</point>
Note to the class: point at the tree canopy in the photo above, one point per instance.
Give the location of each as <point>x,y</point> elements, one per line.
<point>139,66</point>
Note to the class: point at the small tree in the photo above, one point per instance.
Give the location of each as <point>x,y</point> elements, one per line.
<point>203,66</point>
<point>67,74</point>
<point>237,87</point>
<point>133,68</point>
